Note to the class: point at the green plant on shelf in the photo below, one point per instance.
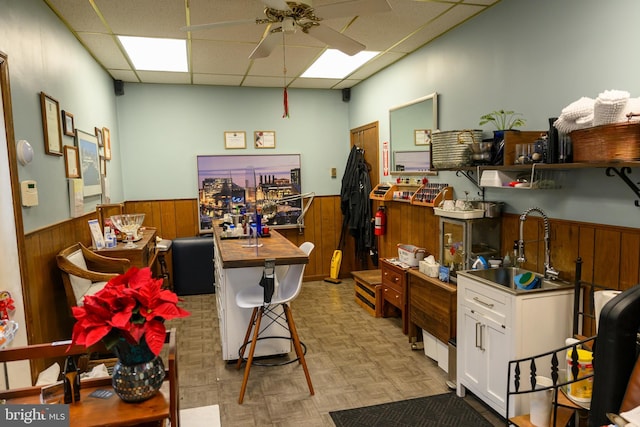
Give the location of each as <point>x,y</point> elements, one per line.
<point>503,120</point>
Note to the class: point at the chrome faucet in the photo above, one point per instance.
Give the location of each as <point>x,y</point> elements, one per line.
<point>549,271</point>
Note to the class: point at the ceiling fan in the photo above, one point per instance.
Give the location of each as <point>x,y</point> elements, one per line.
<point>289,16</point>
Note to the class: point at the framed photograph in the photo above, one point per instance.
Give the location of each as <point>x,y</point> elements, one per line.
<point>67,123</point>
<point>422,136</point>
<point>264,139</point>
<point>106,140</point>
<point>235,139</point>
<point>51,125</point>
<point>98,132</point>
<point>103,166</point>
<point>272,181</point>
<point>71,162</point>
<point>87,145</point>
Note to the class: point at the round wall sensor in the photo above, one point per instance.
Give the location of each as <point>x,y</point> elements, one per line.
<point>24,152</point>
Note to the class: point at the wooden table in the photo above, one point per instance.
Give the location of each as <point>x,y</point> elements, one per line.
<point>144,255</point>
<point>113,411</point>
<point>93,411</point>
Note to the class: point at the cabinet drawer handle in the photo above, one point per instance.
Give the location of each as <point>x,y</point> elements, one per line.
<point>486,304</point>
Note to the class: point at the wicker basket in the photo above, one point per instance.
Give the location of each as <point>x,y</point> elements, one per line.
<point>613,142</point>
<point>451,149</point>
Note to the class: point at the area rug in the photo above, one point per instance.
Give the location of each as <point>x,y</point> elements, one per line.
<point>433,411</point>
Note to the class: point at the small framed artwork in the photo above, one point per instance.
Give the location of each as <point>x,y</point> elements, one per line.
<point>422,136</point>
<point>71,162</point>
<point>67,123</point>
<point>264,139</point>
<point>51,125</point>
<point>106,140</point>
<point>98,132</point>
<point>103,166</point>
<point>89,163</point>
<point>235,139</point>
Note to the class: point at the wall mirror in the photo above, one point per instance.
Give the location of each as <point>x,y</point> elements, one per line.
<point>410,128</point>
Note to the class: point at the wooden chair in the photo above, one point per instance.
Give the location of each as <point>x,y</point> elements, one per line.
<point>111,411</point>
<point>85,272</point>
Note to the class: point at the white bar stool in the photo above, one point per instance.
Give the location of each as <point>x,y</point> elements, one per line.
<point>254,298</point>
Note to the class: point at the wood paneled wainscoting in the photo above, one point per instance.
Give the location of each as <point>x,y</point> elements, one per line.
<point>611,254</point>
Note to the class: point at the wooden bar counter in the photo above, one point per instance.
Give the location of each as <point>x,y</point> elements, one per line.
<point>237,266</point>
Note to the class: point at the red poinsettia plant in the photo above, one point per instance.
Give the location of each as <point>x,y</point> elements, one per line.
<point>132,306</point>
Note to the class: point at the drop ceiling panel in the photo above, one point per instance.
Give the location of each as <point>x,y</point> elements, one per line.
<point>110,56</point>
<point>165,78</point>
<point>78,14</point>
<point>217,79</point>
<point>208,57</point>
<point>149,18</point>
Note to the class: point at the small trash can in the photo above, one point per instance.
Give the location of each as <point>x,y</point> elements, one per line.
<point>452,378</point>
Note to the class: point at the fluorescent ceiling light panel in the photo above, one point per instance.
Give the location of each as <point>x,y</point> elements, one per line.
<point>334,64</point>
<point>153,54</point>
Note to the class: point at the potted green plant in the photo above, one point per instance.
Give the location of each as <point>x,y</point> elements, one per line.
<point>503,120</point>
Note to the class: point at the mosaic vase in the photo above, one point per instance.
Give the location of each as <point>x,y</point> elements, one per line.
<point>138,373</point>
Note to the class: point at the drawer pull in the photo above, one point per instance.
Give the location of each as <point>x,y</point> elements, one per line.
<point>486,304</point>
<point>479,333</point>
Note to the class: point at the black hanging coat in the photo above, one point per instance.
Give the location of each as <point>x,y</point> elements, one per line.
<point>355,203</point>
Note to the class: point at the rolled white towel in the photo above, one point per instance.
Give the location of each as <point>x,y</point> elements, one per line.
<point>566,126</point>
<point>606,112</point>
<point>577,109</point>
<point>613,95</point>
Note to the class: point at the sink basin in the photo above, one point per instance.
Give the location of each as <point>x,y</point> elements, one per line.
<point>505,278</point>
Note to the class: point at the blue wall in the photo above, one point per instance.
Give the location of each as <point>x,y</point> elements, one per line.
<point>44,56</point>
<point>164,128</point>
<point>533,57</point>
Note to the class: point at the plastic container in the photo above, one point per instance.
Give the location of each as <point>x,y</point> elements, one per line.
<point>410,254</point>
<point>581,390</point>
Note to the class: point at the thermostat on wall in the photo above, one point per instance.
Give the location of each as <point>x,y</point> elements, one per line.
<point>29,193</point>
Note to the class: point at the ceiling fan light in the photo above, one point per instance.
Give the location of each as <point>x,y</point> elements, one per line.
<point>288,25</point>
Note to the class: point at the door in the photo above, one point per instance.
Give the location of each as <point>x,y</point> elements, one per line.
<point>12,268</point>
<point>472,352</point>
<point>497,353</point>
<point>366,138</point>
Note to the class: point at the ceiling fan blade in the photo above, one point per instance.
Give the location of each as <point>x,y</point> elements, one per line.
<point>276,4</point>
<point>217,25</point>
<point>336,39</point>
<point>266,46</point>
<point>352,8</point>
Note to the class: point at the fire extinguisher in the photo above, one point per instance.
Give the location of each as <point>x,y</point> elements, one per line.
<point>380,222</point>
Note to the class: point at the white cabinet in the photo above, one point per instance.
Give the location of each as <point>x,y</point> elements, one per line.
<point>495,326</point>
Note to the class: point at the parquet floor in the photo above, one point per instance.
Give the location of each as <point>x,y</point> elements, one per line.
<point>354,360</point>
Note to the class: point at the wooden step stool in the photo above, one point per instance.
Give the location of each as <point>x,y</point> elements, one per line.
<point>368,289</point>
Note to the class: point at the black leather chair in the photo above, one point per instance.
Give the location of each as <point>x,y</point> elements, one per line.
<point>193,265</point>
<point>615,354</point>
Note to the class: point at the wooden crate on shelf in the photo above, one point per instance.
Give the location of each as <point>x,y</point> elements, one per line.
<point>514,137</point>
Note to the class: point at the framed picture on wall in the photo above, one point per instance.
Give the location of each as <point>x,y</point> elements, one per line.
<point>87,145</point>
<point>271,181</point>
<point>235,139</point>
<point>422,136</point>
<point>264,139</point>
<point>106,140</point>
<point>98,132</point>
<point>71,162</point>
<point>103,166</point>
<point>67,123</point>
<point>51,125</point>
